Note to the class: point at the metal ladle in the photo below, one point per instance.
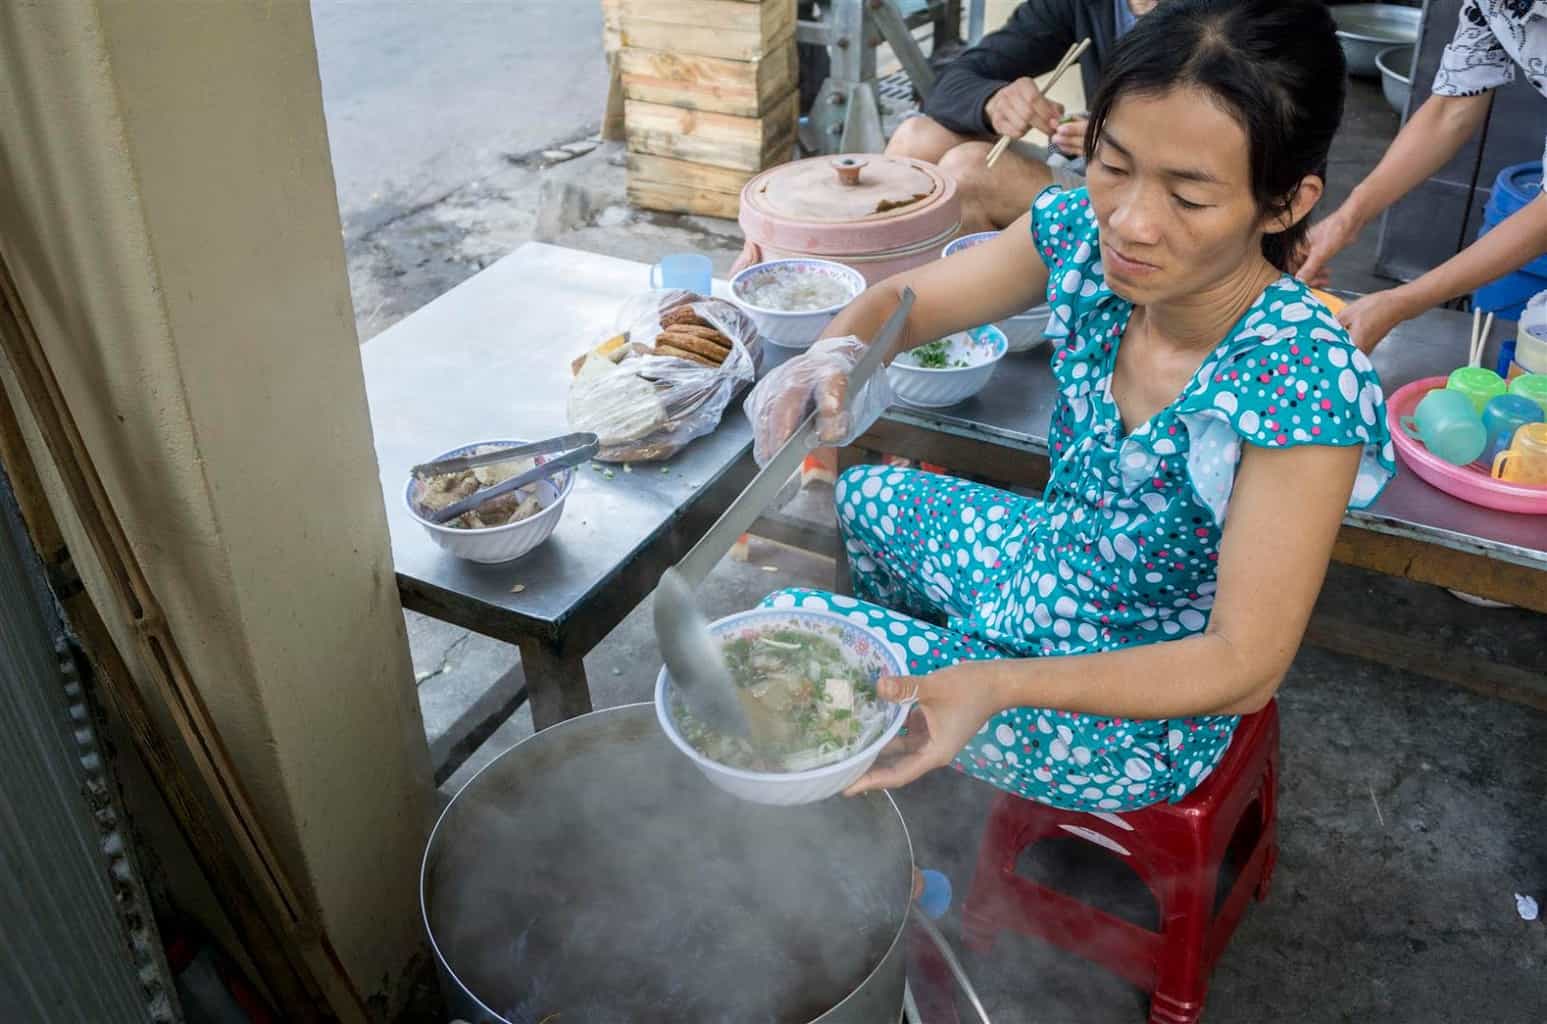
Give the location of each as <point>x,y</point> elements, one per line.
<point>691,653</point>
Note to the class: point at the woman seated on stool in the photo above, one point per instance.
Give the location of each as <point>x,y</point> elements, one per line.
<point>1094,648</point>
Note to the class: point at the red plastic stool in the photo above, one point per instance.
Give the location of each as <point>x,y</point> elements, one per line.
<point>1176,849</point>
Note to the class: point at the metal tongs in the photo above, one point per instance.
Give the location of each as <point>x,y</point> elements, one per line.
<point>577,448</point>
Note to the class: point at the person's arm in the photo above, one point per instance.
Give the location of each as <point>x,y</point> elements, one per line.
<point>1031,43</point>
<point>1518,240</point>
<point>1473,65</point>
<point>988,282</point>
<point>984,284</point>
<point>1521,238</point>
<point>1424,145</point>
<point>1284,514</point>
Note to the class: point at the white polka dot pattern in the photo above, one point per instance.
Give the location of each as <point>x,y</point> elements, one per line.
<point>1122,549</point>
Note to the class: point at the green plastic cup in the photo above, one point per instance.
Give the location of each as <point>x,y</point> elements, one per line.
<point>1448,426</point>
<point>1479,384</point>
<point>1531,386</point>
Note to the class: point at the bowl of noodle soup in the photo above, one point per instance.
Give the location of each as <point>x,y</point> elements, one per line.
<point>806,679</point>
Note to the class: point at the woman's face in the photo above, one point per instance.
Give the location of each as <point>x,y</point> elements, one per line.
<point>1171,186</point>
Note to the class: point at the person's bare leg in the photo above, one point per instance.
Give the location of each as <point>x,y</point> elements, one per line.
<point>923,138</point>
<point>992,198</point>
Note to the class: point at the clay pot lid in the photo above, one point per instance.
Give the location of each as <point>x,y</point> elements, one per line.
<point>849,205</point>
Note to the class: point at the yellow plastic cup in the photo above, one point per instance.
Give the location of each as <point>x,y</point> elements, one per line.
<point>1525,460</point>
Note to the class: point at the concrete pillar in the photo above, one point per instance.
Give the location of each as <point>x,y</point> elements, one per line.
<point>167,208</point>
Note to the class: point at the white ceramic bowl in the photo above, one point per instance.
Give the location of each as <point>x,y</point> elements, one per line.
<point>1025,329</point>
<point>499,543</point>
<point>980,349</point>
<point>862,645</point>
<point>794,330</point>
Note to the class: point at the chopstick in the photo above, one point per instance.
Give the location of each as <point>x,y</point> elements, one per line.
<point>1480,331</point>
<point>1070,57</point>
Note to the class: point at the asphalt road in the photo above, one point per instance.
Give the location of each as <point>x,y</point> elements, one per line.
<point>425,96</point>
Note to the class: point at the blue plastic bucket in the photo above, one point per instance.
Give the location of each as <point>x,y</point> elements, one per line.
<point>1515,186</point>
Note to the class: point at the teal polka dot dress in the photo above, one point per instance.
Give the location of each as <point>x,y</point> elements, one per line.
<point>1122,548</point>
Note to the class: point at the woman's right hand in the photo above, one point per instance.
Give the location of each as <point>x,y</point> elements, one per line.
<point>1019,107</point>
<point>818,378</point>
<point>987,282</point>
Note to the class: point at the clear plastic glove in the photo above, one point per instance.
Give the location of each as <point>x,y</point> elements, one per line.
<point>819,378</point>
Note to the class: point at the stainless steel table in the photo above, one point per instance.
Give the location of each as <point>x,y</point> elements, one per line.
<point>1413,530</point>
<point>490,360</point>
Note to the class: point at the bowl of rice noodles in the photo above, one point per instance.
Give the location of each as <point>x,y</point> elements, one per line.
<point>806,679</point>
<point>791,301</point>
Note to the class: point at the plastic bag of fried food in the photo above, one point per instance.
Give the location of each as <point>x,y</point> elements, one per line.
<point>664,376</point>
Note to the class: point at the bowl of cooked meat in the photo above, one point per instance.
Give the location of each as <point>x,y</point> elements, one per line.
<point>501,529</point>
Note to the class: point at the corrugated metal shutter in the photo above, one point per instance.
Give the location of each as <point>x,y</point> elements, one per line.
<point>65,953</point>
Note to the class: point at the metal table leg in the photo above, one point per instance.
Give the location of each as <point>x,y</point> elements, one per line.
<point>976,12</point>
<point>846,117</point>
<point>555,682</point>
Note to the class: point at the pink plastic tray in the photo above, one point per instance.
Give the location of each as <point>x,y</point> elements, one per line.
<point>1465,482</point>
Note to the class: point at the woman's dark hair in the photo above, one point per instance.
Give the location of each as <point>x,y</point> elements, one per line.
<point>1275,65</point>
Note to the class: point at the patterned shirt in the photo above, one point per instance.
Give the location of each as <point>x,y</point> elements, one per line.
<point>1492,36</point>
<point>1132,519</point>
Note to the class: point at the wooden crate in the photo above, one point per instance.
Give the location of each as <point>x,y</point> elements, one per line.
<point>705,137</point>
<point>745,30</point>
<point>743,88</point>
<point>612,46</point>
<point>612,26</point>
<point>710,98</point>
<point>679,186</point>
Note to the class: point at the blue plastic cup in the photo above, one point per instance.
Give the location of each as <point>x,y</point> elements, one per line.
<point>1448,425</point>
<point>688,271</point>
<point>1502,416</point>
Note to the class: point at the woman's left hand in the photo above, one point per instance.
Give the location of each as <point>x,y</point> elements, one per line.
<point>952,706</point>
<point>1370,318</point>
<point>1069,138</point>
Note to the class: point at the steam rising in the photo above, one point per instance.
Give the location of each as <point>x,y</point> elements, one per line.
<point>594,875</point>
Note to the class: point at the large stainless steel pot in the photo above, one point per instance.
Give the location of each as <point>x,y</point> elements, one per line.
<point>590,874</point>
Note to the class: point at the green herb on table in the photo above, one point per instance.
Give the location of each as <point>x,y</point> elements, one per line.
<point>936,356</point>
